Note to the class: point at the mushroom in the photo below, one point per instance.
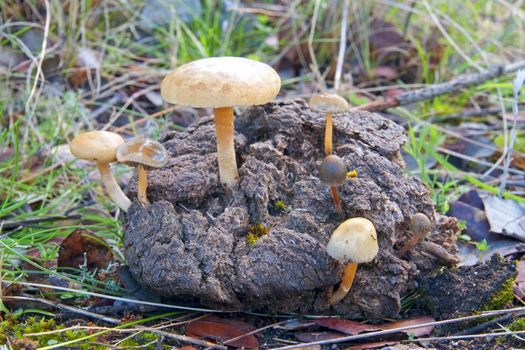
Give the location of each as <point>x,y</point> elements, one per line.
<point>329,104</point>
<point>221,83</point>
<point>332,172</point>
<point>353,242</point>
<point>419,226</point>
<point>142,153</point>
<point>101,147</point>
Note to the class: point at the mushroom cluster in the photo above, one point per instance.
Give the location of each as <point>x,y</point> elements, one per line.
<point>105,147</point>
<point>220,83</point>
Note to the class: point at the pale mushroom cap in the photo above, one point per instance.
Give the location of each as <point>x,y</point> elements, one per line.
<point>96,146</point>
<point>328,103</point>
<point>143,151</point>
<point>218,82</point>
<point>355,240</point>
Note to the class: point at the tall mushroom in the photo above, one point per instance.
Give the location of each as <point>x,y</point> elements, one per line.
<point>419,226</point>
<point>353,242</point>
<point>101,147</point>
<point>332,172</point>
<point>142,153</point>
<point>329,104</point>
<point>221,83</point>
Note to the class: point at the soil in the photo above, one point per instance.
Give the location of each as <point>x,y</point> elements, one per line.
<point>191,243</point>
<point>454,293</point>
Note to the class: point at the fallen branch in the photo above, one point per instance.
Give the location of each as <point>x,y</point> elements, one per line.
<point>454,85</point>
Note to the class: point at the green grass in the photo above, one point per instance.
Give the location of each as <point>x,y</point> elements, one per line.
<point>32,185</point>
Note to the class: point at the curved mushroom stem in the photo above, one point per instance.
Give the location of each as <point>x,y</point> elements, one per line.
<point>112,187</point>
<point>328,134</point>
<point>225,148</point>
<point>337,201</point>
<point>346,283</point>
<point>143,185</point>
<point>408,245</point>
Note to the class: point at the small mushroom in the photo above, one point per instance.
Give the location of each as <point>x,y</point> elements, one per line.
<point>419,226</point>
<point>144,154</point>
<point>101,147</point>
<point>221,83</point>
<point>329,104</point>
<point>353,242</point>
<point>332,172</point>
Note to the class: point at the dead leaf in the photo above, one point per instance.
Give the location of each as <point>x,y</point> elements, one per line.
<point>505,216</point>
<point>308,337</point>
<point>385,72</point>
<point>81,247</point>
<point>413,321</point>
<point>187,347</point>
<point>385,40</point>
<point>374,345</point>
<point>222,330</point>
<point>345,326</point>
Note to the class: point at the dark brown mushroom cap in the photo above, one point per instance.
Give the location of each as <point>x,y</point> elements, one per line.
<point>332,171</point>
<point>420,224</point>
<point>143,151</point>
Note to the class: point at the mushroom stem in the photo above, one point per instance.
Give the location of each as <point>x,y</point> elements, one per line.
<point>112,187</point>
<point>328,134</point>
<point>337,200</point>
<point>143,185</point>
<point>346,283</point>
<point>225,148</point>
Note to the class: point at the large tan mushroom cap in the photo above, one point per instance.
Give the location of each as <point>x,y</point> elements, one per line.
<point>355,240</point>
<point>96,146</point>
<point>219,82</point>
<point>328,103</point>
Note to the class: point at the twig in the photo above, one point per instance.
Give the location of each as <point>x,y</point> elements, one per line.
<point>314,65</point>
<point>342,46</point>
<point>396,330</point>
<point>128,300</point>
<point>488,324</point>
<point>454,85</point>
<point>518,84</point>
<point>16,223</point>
<point>111,320</point>
<point>471,336</point>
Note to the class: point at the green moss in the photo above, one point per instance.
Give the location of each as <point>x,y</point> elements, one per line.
<point>281,206</point>
<point>255,232</point>
<point>19,328</point>
<point>502,298</point>
<point>518,325</point>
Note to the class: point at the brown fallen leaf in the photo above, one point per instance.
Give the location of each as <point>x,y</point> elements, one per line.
<point>221,330</point>
<point>345,326</point>
<point>308,337</point>
<point>413,321</point>
<point>187,347</point>
<point>81,247</point>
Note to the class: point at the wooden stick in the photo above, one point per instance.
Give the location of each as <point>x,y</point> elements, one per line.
<point>454,85</point>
